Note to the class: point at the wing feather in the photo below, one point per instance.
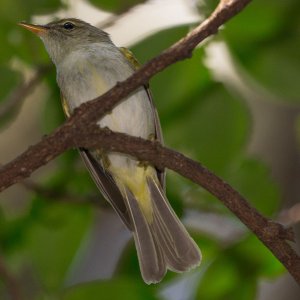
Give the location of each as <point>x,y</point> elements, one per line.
<point>102,178</point>
<point>161,174</point>
<point>106,185</point>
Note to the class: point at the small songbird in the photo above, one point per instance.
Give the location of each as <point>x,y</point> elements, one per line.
<point>88,64</point>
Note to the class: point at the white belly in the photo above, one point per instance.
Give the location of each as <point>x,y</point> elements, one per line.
<point>85,81</point>
<point>133,116</point>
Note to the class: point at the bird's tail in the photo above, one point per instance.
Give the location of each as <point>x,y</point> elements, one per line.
<point>161,240</point>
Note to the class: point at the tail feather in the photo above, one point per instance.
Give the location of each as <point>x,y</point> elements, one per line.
<point>162,243</point>
<point>151,258</point>
<point>180,250</point>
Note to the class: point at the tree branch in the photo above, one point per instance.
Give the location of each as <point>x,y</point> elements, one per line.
<point>81,130</point>
<point>93,110</point>
<point>85,116</point>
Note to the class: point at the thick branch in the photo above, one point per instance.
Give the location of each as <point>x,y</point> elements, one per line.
<point>183,49</point>
<point>80,130</point>
<point>84,116</point>
<point>272,234</point>
<point>35,157</point>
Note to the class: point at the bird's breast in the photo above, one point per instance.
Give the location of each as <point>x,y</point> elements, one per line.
<point>82,80</point>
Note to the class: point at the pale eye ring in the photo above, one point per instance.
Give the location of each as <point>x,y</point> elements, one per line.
<point>68,26</point>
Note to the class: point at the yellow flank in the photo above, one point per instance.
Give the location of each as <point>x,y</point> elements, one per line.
<point>98,82</point>
<point>135,180</point>
<point>130,57</point>
<point>65,105</point>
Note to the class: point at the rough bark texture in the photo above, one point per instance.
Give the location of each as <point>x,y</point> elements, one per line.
<point>80,130</point>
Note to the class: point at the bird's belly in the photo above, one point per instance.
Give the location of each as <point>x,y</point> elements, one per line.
<point>133,116</point>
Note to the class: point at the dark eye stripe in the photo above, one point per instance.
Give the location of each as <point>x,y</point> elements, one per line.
<point>68,26</point>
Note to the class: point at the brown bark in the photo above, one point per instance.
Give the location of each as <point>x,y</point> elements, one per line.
<point>80,130</point>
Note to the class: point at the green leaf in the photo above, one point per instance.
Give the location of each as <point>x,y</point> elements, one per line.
<point>9,80</point>
<point>243,32</point>
<point>268,49</point>
<point>19,10</point>
<point>234,272</point>
<point>220,278</point>
<point>176,88</point>
<point>126,288</point>
<point>116,6</point>
<point>253,180</point>
<point>212,130</point>
<point>54,238</point>
<point>16,41</point>
<point>257,258</point>
<point>209,247</point>
<point>277,68</point>
<point>129,265</point>
<point>12,233</point>
<point>156,43</point>
<point>35,7</point>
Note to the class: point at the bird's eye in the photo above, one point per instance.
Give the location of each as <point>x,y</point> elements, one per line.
<point>68,26</point>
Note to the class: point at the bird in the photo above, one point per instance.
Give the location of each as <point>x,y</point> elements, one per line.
<point>88,64</point>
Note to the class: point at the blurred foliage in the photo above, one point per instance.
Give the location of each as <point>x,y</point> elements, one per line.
<point>269,49</point>
<point>113,289</point>
<point>9,79</point>
<point>52,227</point>
<point>116,6</point>
<point>200,118</point>
<point>244,263</point>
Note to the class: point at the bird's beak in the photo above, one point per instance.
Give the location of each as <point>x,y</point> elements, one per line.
<point>37,29</point>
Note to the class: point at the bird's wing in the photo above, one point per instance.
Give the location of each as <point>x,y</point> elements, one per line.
<point>106,184</point>
<point>102,177</point>
<point>158,132</point>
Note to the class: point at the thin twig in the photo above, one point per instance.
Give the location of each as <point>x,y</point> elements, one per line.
<point>272,234</point>
<point>18,95</point>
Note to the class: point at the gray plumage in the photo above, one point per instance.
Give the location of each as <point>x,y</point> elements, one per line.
<point>88,64</point>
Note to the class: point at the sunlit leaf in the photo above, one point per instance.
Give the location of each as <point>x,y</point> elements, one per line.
<point>54,238</point>
<point>117,6</point>
<point>268,48</point>
<point>253,180</point>
<point>221,278</point>
<point>176,88</point>
<point>213,130</point>
<point>258,258</point>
